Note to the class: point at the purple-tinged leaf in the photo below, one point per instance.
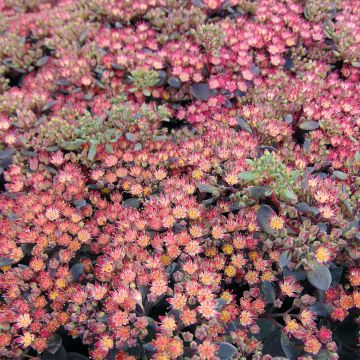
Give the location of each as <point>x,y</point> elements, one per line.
<point>54,343</point>
<point>42,61</point>
<point>268,291</point>
<point>303,208</point>
<point>291,349</point>
<point>263,217</point>
<point>321,309</point>
<point>243,124</point>
<point>226,351</point>
<point>284,258</point>
<point>174,82</point>
<point>201,91</point>
<point>60,354</point>
<point>309,125</point>
<point>5,261</point>
<point>319,276</point>
<point>131,203</point>
<point>267,327</point>
<point>258,192</point>
<point>76,271</point>
<point>76,356</point>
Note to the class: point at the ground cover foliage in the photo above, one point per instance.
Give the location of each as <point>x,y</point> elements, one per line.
<point>179,179</point>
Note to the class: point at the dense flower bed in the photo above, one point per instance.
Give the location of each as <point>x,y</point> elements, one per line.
<point>180,179</point>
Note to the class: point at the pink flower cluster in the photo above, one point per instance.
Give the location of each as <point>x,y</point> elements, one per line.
<point>179,179</point>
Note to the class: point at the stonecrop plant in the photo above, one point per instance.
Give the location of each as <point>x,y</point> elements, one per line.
<point>179,179</point>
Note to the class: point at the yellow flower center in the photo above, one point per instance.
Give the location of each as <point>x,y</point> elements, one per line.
<point>322,254</point>
<point>277,223</point>
<point>230,271</point>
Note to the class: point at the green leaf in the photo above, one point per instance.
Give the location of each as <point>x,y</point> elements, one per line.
<point>357,156</point>
<point>207,188</point>
<point>72,145</point>
<point>99,84</point>
<point>321,309</point>
<point>295,174</point>
<point>49,105</point>
<point>272,344</point>
<point>60,354</point>
<point>340,175</point>
<point>174,82</point>
<point>291,349</point>
<point>109,148</point>
<point>268,291</point>
<point>267,327</point>
<point>131,137</point>
<point>319,276</point>
<point>288,196</point>
<point>152,329</point>
<point>54,343</point>
<point>250,162</point>
<point>247,175</point>
<point>76,356</point>
<point>336,273</point>
<point>92,152</point>
<point>51,170</point>
<point>83,36</point>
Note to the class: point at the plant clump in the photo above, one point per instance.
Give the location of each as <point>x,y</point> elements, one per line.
<point>179,179</point>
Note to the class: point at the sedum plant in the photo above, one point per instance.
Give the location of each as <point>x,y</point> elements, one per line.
<point>179,179</point>
<point>143,80</point>
<point>269,170</point>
